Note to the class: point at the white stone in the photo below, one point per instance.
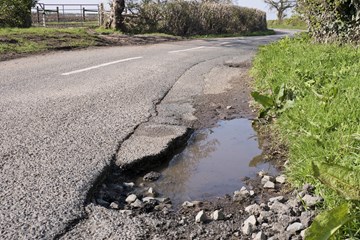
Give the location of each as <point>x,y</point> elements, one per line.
<point>252,193</point>
<point>148,199</point>
<point>131,198</point>
<point>229,107</point>
<point>127,212</point>
<point>137,204</point>
<point>248,225</point>
<point>188,204</point>
<point>129,185</point>
<point>218,215</point>
<point>281,179</point>
<point>262,173</point>
<point>292,228</point>
<point>278,199</point>
<point>252,209</point>
<point>200,217</point>
<point>260,236</point>
<point>269,185</point>
<point>310,200</point>
<point>114,205</point>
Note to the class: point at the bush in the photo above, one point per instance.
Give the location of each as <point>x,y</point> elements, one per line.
<point>332,21</point>
<point>186,18</point>
<point>15,13</point>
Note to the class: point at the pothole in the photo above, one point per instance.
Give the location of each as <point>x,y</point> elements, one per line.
<point>214,163</point>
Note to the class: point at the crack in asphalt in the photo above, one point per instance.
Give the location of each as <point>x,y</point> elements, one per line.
<point>112,165</point>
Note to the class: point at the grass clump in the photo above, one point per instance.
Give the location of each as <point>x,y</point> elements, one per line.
<point>294,22</point>
<point>322,127</point>
<point>20,40</point>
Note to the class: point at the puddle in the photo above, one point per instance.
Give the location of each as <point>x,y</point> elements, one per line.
<point>213,164</point>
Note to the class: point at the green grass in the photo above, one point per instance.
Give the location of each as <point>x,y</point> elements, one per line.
<point>324,124</point>
<point>19,40</point>
<point>287,24</point>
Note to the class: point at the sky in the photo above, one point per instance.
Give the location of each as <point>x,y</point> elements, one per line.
<point>246,3</point>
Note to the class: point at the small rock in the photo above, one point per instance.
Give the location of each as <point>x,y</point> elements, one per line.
<point>307,188</point>
<point>252,193</point>
<point>114,205</point>
<point>229,107</point>
<point>280,208</point>
<point>249,225</point>
<point>131,198</point>
<point>188,204</point>
<point>137,204</point>
<point>293,228</point>
<point>260,236</point>
<point>253,209</point>
<point>152,176</point>
<point>280,179</point>
<point>241,195</point>
<point>129,185</point>
<point>262,173</point>
<point>201,217</point>
<point>127,212</point>
<point>269,185</point>
<point>152,192</point>
<point>148,199</point>
<point>266,178</point>
<point>218,215</point>
<point>278,199</point>
<point>163,200</point>
<point>302,234</point>
<point>311,201</point>
<point>305,218</point>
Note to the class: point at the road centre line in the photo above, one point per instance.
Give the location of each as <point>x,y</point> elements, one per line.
<point>185,50</point>
<point>99,66</point>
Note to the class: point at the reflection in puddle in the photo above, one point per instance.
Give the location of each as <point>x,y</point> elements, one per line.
<point>213,163</point>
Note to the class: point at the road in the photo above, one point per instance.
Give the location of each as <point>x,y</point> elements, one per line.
<point>64,116</point>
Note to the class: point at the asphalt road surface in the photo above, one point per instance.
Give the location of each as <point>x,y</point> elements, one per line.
<point>63,116</point>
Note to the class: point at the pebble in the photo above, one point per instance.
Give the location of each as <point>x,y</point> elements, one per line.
<point>293,228</point>
<point>279,199</point>
<point>262,173</point>
<point>218,215</point>
<point>280,179</point>
<point>311,201</point>
<point>152,192</point>
<point>260,236</point>
<point>188,204</point>
<point>129,185</point>
<point>131,198</point>
<point>200,217</point>
<point>249,225</point>
<point>269,185</point>
<point>253,209</point>
<point>114,205</point>
<point>137,204</point>
<point>229,107</point>
<point>152,176</point>
<point>148,199</point>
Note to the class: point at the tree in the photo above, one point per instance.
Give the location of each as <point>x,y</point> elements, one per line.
<point>116,17</point>
<point>16,13</point>
<point>281,6</point>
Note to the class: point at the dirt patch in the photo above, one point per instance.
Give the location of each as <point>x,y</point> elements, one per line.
<point>234,103</point>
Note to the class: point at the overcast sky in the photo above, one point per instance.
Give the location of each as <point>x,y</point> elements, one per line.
<point>246,3</point>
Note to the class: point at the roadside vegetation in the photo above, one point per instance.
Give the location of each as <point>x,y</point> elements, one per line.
<point>308,88</point>
<point>311,94</point>
<point>294,22</point>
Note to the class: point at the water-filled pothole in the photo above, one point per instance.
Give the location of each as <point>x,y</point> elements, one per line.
<point>213,164</point>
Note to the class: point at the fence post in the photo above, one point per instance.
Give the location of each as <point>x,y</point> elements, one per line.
<point>58,14</point>
<point>84,14</point>
<point>38,14</point>
<point>101,14</point>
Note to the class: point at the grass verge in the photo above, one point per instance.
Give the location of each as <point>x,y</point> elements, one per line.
<point>322,126</point>
<point>287,24</point>
<point>18,40</point>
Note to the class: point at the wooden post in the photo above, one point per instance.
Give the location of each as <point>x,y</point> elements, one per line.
<point>44,18</point>
<point>58,14</point>
<point>38,14</point>
<point>101,14</point>
<point>84,14</point>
